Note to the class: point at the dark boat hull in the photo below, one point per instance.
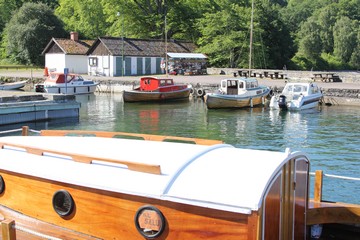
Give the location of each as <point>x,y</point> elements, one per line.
<point>144,96</point>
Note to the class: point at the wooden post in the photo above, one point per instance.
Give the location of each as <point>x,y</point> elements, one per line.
<point>8,230</point>
<point>25,130</point>
<point>318,185</point>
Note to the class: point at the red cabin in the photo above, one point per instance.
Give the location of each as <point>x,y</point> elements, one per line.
<point>151,84</point>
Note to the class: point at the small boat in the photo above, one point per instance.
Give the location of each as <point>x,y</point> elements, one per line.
<point>74,84</point>
<point>155,89</point>
<point>297,96</point>
<point>113,187</point>
<point>12,85</point>
<point>237,93</point>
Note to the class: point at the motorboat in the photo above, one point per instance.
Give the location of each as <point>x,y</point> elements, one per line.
<point>12,85</point>
<point>117,185</point>
<point>297,96</point>
<point>61,83</point>
<point>237,93</point>
<point>153,89</point>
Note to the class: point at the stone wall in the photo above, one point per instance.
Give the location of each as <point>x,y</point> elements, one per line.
<point>345,76</point>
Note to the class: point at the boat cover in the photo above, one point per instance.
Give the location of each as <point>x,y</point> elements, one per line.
<point>220,176</point>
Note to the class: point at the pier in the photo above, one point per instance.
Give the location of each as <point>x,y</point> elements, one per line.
<point>18,107</point>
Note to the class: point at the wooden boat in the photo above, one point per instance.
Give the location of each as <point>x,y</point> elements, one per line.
<point>100,185</point>
<point>13,85</point>
<point>237,93</point>
<point>155,89</point>
<point>74,84</point>
<point>297,96</point>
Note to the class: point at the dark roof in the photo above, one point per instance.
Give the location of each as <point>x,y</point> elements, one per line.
<point>141,47</point>
<point>68,46</point>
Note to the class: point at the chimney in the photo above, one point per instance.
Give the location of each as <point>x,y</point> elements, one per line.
<point>74,36</point>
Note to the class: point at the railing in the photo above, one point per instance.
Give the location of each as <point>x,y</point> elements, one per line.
<point>318,183</point>
<point>24,131</point>
<point>18,67</point>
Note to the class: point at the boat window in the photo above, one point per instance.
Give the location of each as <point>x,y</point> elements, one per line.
<point>232,84</point>
<point>223,84</point>
<point>241,84</point>
<point>162,82</point>
<point>169,82</point>
<point>248,85</point>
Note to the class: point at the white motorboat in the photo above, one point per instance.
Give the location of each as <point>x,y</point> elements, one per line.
<point>74,84</point>
<point>237,93</point>
<point>12,85</point>
<point>297,96</point>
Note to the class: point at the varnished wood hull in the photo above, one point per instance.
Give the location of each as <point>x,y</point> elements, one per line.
<point>108,215</point>
<point>234,101</point>
<point>143,96</point>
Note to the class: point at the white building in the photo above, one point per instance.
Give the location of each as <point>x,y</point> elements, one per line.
<point>67,53</point>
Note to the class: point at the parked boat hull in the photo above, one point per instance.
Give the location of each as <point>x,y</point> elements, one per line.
<point>70,89</point>
<point>144,96</point>
<point>216,100</point>
<point>303,103</point>
<point>12,86</point>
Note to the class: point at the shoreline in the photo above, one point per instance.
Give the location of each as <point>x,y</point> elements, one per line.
<point>335,93</point>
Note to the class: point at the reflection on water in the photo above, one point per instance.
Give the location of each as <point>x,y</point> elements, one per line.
<point>330,135</point>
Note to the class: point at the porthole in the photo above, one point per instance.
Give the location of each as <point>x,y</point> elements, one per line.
<point>2,185</point>
<point>149,222</point>
<point>63,203</point>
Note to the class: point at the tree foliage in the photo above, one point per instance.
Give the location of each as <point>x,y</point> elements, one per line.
<point>28,32</point>
<point>303,34</point>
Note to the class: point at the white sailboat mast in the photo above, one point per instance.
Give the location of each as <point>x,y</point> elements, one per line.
<point>251,35</point>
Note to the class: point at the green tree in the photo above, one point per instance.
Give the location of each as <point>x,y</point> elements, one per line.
<point>225,34</point>
<point>355,56</point>
<point>344,39</point>
<point>28,32</point>
<point>275,45</point>
<point>85,17</point>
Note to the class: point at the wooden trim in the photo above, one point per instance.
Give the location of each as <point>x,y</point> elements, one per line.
<point>318,185</point>
<point>8,230</point>
<point>148,137</point>
<point>25,131</point>
<point>327,212</point>
<point>134,166</point>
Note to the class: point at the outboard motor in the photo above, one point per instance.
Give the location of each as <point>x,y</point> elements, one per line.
<point>282,102</point>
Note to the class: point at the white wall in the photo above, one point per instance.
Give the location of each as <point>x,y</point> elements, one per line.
<point>58,61</point>
<point>77,63</point>
<point>55,62</point>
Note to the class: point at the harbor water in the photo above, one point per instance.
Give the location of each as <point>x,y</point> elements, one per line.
<point>330,135</point>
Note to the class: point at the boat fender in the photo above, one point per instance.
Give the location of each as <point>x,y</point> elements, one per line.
<point>200,92</point>
<point>63,203</point>
<point>192,91</point>
<point>2,185</point>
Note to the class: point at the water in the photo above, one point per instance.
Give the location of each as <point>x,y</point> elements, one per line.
<point>329,135</point>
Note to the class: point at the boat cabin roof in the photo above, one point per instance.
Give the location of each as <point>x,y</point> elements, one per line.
<point>301,88</point>
<point>219,176</point>
<point>241,83</point>
<point>60,77</point>
<point>153,83</point>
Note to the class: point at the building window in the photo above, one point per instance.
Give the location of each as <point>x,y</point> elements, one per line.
<point>93,61</point>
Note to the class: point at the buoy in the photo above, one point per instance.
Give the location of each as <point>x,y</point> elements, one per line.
<point>200,92</point>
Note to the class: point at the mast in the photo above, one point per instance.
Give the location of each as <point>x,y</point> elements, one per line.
<point>166,56</point>
<point>251,35</point>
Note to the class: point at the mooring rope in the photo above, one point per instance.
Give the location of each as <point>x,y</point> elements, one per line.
<point>339,177</point>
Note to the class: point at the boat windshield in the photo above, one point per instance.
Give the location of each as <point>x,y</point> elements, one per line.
<point>252,84</point>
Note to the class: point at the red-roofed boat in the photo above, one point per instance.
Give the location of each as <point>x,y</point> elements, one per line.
<point>155,89</point>
<point>74,84</point>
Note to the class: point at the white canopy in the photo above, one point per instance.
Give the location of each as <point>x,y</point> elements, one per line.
<point>220,176</point>
<point>187,55</point>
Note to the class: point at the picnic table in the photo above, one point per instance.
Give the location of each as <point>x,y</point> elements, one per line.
<point>326,77</point>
